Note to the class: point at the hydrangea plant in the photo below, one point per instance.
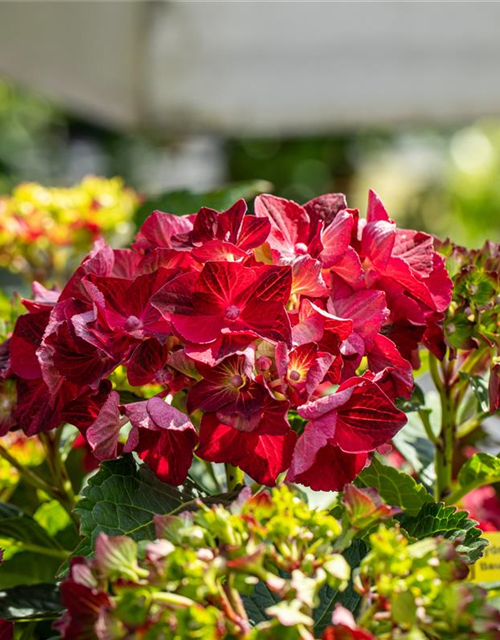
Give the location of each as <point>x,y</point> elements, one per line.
<point>268,348</point>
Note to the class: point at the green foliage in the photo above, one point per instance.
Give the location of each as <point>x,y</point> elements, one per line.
<point>413,590</point>
<point>27,602</point>
<point>395,487</point>
<point>480,469</point>
<point>435,520</point>
<point>123,497</point>
<point>184,202</point>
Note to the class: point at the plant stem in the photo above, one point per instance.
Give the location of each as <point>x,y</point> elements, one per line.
<point>446,441</point>
<point>234,477</point>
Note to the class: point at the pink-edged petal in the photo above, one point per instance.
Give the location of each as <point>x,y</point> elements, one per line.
<point>263,453</point>
<point>326,207</point>
<point>384,354</point>
<point>367,309</point>
<point>376,210</point>
<point>367,420</point>
<point>102,435</point>
<point>218,251</point>
<point>254,232</point>
<point>307,278</point>
<point>377,243</point>
<point>26,338</point>
<point>289,223</point>
<point>336,238</point>
<point>160,230</point>
<point>329,470</point>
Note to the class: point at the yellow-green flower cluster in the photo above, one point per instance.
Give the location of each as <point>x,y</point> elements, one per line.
<point>44,230</point>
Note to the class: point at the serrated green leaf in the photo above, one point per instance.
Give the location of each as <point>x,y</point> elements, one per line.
<point>329,597</point>
<point>480,469</point>
<point>439,520</point>
<point>184,202</point>
<point>397,489</point>
<point>122,498</point>
<point>26,602</point>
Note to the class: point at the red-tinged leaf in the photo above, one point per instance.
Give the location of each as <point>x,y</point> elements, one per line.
<point>263,453</point>
<point>102,434</point>
<point>494,388</point>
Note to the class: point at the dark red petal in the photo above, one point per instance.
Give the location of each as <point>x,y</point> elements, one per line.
<point>289,222</point>
<point>328,468</point>
<point>326,207</point>
<point>102,435</point>
<point>26,338</point>
<point>263,454</point>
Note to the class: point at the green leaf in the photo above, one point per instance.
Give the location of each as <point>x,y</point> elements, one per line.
<point>28,567</point>
<point>398,489</point>
<point>480,469</point>
<point>414,445</point>
<point>52,517</point>
<point>184,202</point>
<point>122,498</point>
<point>329,597</point>
<point>439,520</point>
<point>416,402</point>
<point>25,602</point>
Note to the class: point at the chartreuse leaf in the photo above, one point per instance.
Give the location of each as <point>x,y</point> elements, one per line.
<point>439,520</point>
<point>397,489</point>
<point>25,602</point>
<point>184,202</point>
<point>479,470</point>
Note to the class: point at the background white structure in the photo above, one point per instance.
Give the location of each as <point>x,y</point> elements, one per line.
<point>256,67</point>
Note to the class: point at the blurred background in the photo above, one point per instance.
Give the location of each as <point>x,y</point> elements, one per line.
<point>312,97</point>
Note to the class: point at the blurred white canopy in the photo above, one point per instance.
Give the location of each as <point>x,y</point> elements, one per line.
<point>257,67</point>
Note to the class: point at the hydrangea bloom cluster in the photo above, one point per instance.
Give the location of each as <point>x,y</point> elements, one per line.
<point>228,324</point>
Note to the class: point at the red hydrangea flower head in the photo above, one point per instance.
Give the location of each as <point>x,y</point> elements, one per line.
<point>227,324</point>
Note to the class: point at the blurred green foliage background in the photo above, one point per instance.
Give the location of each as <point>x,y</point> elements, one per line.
<point>442,180</point>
